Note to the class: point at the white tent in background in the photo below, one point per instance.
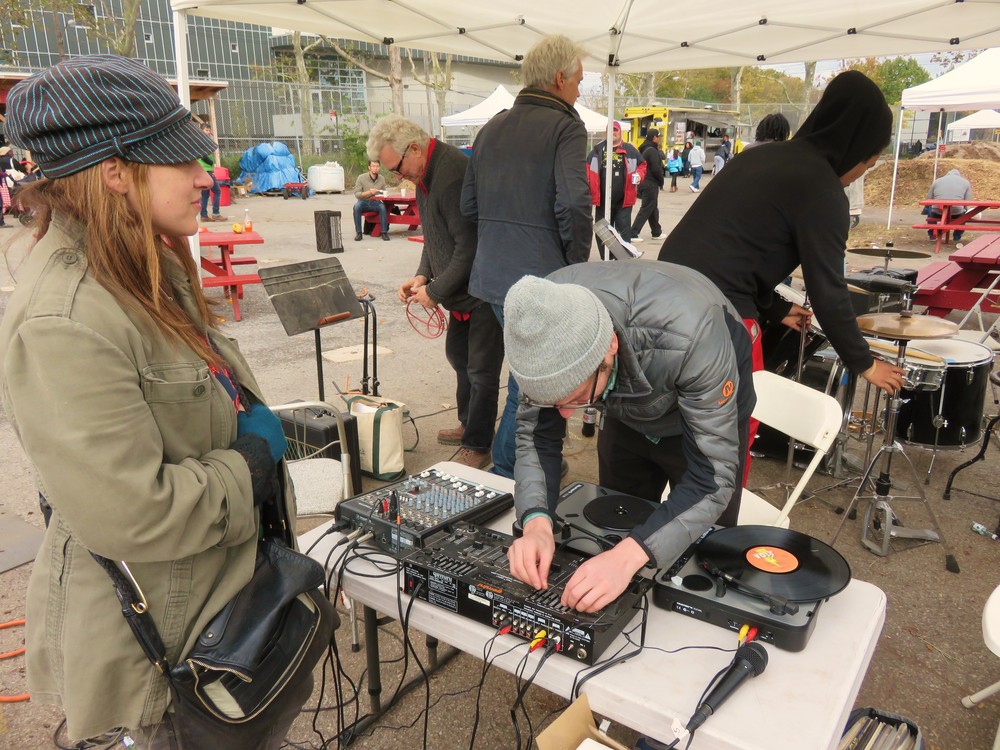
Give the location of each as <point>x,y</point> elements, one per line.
<point>984,119</point>
<point>481,113</point>
<point>972,85</point>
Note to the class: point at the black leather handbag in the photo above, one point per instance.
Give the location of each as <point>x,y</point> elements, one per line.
<point>274,629</point>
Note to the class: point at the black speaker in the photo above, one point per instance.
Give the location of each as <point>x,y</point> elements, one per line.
<point>310,430</point>
<point>329,238</point>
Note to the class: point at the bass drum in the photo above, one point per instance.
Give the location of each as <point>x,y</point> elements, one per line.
<point>951,416</point>
<point>780,344</point>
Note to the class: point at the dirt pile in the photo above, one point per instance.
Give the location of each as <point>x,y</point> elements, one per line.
<point>916,175</point>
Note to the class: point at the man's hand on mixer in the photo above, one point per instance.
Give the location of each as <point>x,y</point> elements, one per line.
<point>885,376</point>
<point>602,579</point>
<point>798,318</point>
<point>531,555</point>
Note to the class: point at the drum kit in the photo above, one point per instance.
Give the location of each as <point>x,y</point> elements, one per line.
<point>940,406</point>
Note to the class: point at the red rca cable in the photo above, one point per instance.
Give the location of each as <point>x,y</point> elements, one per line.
<point>8,655</point>
<point>428,323</point>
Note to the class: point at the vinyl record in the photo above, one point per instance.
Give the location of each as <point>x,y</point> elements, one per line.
<point>777,561</point>
<point>618,512</point>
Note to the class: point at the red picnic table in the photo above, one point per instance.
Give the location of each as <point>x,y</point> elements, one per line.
<point>968,221</point>
<point>402,209</point>
<point>221,267</point>
<point>964,281</point>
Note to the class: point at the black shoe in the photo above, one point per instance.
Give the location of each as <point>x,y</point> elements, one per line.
<point>358,237</point>
<point>385,236</point>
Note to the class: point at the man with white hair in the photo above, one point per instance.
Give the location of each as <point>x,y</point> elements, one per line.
<point>666,358</point>
<point>527,186</point>
<point>474,343</point>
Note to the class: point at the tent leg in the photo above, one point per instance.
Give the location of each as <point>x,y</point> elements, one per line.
<point>895,167</point>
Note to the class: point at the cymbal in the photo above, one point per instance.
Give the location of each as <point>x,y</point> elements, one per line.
<point>892,252</point>
<point>901,328</point>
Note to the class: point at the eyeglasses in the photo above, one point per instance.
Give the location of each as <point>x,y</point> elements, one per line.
<point>399,165</point>
<point>592,401</point>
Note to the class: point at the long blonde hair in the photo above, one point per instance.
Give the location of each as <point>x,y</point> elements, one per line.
<point>124,254</point>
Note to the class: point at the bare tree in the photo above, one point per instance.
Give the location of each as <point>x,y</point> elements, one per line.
<point>101,23</point>
<point>394,76</point>
<point>303,80</point>
<point>436,78</point>
<point>736,86</point>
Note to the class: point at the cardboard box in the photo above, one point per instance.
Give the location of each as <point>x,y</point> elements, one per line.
<point>575,725</point>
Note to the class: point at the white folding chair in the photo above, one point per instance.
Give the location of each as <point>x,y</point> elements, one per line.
<point>320,483</point>
<point>991,635</point>
<point>804,414</point>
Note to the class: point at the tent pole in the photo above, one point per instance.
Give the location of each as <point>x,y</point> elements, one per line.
<point>608,154</point>
<point>895,167</point>
<point>937,144</point>
<point>184,92</point>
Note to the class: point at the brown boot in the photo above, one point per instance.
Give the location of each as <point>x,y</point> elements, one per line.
<point>452,436</point>
<point>473,458</point>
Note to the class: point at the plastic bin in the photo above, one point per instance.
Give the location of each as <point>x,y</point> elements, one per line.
<point>222,175</point>
<point>326,178</point>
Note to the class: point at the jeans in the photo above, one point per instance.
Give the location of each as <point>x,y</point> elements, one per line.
<point>621,219</point>
<point>649,192</point>
<point>474,349</point>
<point>503,442</point>
<point>365,205</point>
<point>216,192</point>
<point>696,173</point>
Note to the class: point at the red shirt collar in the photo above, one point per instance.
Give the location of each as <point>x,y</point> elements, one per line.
<point>427,162</point>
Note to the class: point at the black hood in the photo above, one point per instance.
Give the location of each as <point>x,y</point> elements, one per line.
<point>850,124</point>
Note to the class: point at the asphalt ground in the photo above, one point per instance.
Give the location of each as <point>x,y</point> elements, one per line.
<point>931,652</point>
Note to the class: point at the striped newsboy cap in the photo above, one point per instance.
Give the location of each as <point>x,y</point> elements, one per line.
<point>82,111</point>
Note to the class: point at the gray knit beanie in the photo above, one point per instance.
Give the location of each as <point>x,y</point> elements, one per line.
<point>556,335</point>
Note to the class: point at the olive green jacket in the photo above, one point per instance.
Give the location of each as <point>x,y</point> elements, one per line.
<point>129,437</point>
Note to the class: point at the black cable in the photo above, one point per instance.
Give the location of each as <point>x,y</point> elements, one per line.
<point>405,619</point>
<point>549,650</point>
<point>605,665</point>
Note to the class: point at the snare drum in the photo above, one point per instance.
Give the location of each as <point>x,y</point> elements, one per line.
<point>923,370</point>
<point>780,344</point>
<point>952,416</point>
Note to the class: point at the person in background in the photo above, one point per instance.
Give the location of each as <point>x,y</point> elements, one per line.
<point>675,166</point>
<point>366,187</point>
<point>628,169</point>
<point>722,154</point>
<point>953,187</point>
<point>661,352</point>
<point>686,158</point>
<point>208,163</point>
<point>474,341</point>
<point>773,127</point>
<point>7,182</point>
<point>650,187</point>
<point>526,184</point>
<point>696,159</point>
<point>149,436</point>
<point>783,205</point>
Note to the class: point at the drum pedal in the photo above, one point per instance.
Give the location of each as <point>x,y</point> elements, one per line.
<point>882,525</point>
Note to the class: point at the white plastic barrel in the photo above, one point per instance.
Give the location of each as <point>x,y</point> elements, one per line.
<point>326,178</point>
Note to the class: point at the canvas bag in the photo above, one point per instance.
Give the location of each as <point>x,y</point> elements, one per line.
<point>380,435</point>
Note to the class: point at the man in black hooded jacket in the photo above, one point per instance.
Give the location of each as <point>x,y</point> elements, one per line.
<point>783,204</point>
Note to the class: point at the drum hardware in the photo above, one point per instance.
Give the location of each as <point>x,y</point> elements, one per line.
<point>881,523</point>
<point>887,253</point>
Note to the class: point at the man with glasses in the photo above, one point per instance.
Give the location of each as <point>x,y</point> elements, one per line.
<point>474,343</point>
<point>666,358</point>
<point>366,187</point>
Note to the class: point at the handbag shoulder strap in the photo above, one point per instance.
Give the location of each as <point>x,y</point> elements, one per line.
<point>135,610</point>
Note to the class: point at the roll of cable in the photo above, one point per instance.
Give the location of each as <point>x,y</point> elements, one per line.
<point>428,323</point>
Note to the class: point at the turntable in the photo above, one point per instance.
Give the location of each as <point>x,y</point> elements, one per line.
<point>769,578</point>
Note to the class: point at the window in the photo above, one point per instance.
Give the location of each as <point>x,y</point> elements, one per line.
<point>148,38</point>
<point>201,72</point>
<point>234,48</point>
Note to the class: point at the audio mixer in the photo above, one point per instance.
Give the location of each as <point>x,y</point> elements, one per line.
<point>466,571</point>
<point>402,515</point>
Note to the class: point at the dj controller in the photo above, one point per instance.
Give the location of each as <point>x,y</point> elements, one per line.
<point>466,571</point>
<point>403,515</point>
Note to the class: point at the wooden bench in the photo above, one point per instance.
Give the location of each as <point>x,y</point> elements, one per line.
<point>935,275</point>
<point>234,260</point>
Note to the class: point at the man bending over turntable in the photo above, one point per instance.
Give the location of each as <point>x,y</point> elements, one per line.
<point>666,358</point>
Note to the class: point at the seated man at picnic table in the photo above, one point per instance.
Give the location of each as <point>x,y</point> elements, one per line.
<point>366,187</point>
<point>950,187</point>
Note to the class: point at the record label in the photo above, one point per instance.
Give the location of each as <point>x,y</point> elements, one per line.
<point>772,559</point>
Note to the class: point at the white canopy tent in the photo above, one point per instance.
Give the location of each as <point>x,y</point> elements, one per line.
<point>502,99</point>
<point>626,35</point>
<point>972,85</point>
<point>984,119</point>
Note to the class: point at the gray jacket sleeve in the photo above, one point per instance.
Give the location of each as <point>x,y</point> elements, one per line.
<point>707,400</point>
<point>572,206</point>
<point>358,187</point>
<point>538,444</point>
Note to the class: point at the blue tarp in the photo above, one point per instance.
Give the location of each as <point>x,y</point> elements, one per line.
<point>269,166</point>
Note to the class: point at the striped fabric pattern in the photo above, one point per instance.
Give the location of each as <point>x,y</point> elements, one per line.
<point>82,111</point>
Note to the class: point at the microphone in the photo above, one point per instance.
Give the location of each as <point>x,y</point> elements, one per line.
<point>749,661</point>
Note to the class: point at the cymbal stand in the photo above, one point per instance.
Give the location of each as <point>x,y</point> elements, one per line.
<point>881,524</point>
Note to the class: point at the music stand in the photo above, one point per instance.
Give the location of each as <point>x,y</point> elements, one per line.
<point>310,296</point>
